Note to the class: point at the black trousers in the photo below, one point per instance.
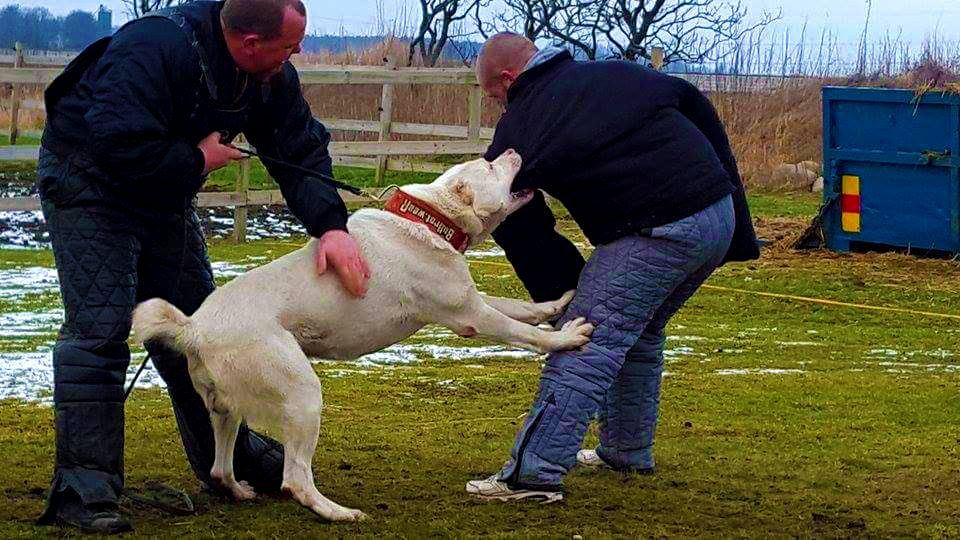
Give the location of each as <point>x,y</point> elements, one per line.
<point>109,258</point>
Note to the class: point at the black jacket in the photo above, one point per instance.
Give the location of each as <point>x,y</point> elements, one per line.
<point>136,105</point>
<point>624,148</point>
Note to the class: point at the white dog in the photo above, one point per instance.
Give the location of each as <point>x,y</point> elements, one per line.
<point>248,344</point>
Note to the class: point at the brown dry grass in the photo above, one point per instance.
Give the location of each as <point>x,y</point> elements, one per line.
<point>29,119</point>
<point>766,130</point>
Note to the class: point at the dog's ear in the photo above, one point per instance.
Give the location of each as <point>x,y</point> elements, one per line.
<point>463,191</point>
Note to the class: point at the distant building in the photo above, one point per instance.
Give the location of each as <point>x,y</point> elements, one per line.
<point>104,21</point>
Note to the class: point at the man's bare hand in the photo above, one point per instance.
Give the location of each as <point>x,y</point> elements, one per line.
<point>216,154</point>
<point>338,249</point>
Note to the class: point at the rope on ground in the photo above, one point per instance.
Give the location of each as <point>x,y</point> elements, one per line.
<point>807,299</point>
<point>450,422</point>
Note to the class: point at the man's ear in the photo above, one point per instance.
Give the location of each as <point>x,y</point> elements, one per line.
<point>463,191</point>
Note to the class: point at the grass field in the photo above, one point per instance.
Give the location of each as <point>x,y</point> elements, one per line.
<point>780,417</point>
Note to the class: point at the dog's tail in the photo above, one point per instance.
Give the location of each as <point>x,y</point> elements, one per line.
<point>159,320</point>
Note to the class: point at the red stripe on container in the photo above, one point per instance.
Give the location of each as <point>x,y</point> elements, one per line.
<point>850,203</point>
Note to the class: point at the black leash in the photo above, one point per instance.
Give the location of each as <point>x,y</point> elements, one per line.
<point>143,365</point>
<point>332,181</point>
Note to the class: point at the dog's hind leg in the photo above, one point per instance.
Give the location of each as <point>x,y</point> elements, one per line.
<point>298,474</point>
<point>300,425</point>
<point>225,428</point>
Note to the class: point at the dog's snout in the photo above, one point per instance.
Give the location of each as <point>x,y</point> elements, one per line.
<point>512,157</point>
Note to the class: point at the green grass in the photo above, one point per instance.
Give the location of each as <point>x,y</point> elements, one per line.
<point>776,205</point>
<point>22,140</point>
<point>852,444</point>
<point>226,179</point>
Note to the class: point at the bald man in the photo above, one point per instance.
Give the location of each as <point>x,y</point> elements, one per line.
<point>642,162</point>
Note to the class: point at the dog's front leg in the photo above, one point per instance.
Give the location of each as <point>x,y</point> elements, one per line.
<point>477,318</point>
<point>529,312</point>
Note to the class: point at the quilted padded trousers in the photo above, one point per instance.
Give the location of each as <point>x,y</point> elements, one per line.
<point>628,290</point>
<point>108,259</point>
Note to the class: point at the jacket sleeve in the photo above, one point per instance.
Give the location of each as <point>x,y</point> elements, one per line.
<point>698,109</point>
<point>140,80</point>
<point>289,131</point>
<point>547,263</point>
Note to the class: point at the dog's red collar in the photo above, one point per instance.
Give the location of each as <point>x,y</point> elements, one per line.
<point>412,208</point>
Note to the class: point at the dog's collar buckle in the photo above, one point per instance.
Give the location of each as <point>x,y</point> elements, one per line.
<point>414,209</point>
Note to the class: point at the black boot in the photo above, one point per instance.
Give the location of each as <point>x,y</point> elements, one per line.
<point>99,518</point>
<point>88,478</point>
<point>258,459</point>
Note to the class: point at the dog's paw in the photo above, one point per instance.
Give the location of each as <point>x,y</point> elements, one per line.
<point>350,514</point>
<point>242,491</point>
<point>573,334</point>
<point>562,303</point>
<point>547,311</point>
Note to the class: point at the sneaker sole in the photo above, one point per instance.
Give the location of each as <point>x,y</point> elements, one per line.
<point>603,465</point>
<point>544,497</point>
<point>641,472</point>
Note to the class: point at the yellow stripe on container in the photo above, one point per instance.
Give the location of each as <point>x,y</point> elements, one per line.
<point>851,222</point>
<point>850,185</point>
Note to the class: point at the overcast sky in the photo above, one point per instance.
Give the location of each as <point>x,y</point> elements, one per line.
<point>915,18</point>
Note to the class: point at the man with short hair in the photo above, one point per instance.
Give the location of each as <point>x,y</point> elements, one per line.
<point>134,126</point>
<point>642,163</point>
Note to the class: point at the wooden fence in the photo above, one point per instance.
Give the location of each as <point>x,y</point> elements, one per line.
<point>381,155</point>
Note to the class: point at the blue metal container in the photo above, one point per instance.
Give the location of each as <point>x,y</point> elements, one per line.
<point>891,169</point>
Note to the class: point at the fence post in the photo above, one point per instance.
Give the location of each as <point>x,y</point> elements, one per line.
<point>240,211</point>
<point>476,113</point>
<point>15,99</point>
<point>386,118</point>
<point>657,57</point>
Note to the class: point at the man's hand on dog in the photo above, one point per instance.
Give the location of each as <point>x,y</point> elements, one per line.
<point>216,154</point>
<point>340,250</point>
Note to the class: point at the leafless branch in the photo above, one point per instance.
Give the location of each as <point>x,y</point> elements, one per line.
<point>437,19</point>
<point>688,30</point>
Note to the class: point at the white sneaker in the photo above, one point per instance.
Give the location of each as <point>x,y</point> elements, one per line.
<point>494,489</point>
<point>590,458</point>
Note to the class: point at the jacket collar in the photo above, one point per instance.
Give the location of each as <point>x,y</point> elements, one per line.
<point>528,76</point>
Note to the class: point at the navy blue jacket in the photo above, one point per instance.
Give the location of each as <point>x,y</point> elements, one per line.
<point>139,104</point>
<point>624,148</point>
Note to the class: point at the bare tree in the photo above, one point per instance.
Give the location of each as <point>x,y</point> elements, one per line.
<point>690,31</point>
<point>576,23</point>
<point>440,22</point>
<point>520,16</point>
<point>136,8</point>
